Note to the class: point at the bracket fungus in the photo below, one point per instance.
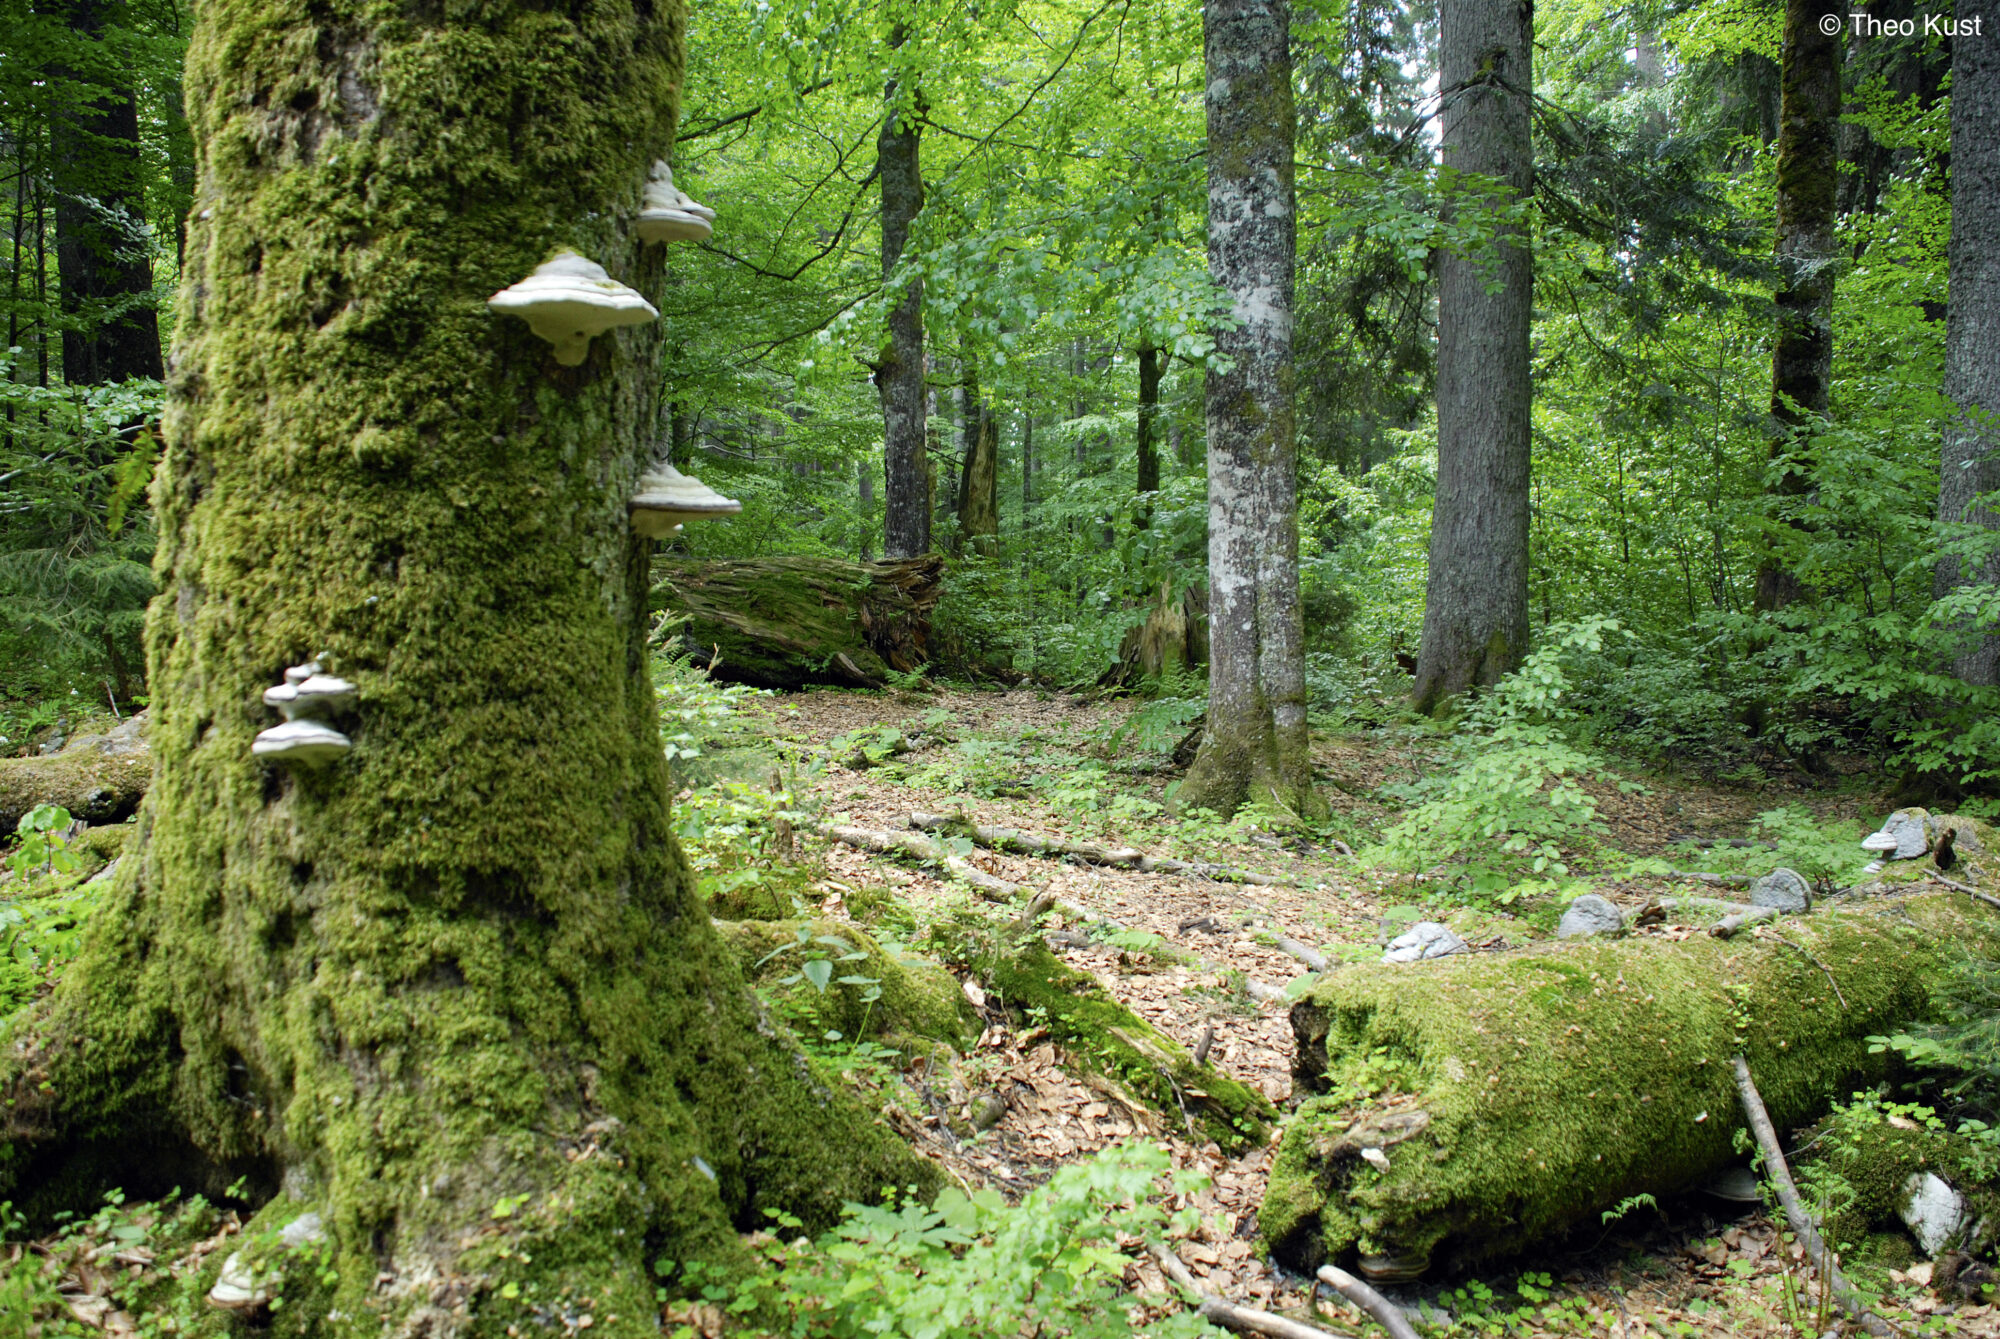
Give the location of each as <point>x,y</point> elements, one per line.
<point>667,214</point>
<point>568,301</point>
<point>305,697</point>
<point>666,499</point>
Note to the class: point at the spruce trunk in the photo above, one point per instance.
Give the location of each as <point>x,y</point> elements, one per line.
<point>1476,596</point>
<point>1808,187</point>
<point>1972,329</point>
<point>451,991</point>
<point>1254,745</point>
<point>899,377</point>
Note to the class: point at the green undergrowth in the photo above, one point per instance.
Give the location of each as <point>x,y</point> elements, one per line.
<point>150,1285</point>
<point>963,1265</point>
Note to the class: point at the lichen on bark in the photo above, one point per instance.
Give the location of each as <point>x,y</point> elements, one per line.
<point>419,982</point>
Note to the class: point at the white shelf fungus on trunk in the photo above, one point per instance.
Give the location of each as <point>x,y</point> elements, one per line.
<point>568,301</point>
<point>305,697</point>
<point>666,498</point>
<point>666,214</point>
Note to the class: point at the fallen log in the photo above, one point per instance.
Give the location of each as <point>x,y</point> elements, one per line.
<point>99,778</point>
<point>791,622</point>
<point>1116,857</point>
<point>1472,1104</point>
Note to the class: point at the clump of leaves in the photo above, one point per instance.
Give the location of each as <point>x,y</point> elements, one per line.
<point>42,843</point>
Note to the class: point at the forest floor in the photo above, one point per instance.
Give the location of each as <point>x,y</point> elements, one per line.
<point>1089,770</point>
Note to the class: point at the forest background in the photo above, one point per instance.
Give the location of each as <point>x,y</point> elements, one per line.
<point>1068,308</point>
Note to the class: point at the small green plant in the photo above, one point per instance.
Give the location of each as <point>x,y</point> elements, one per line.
<point>42,843</point>
<point>968,1266</point>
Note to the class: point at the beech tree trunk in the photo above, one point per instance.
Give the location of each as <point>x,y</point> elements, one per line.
<point>1254,743</point>
<point>979,488</point>
<point>899,377</point>
<point>1476,594</point>
<point>1972,328</point>
<point>101,263</point>
<point>1808,185</point>
<point>463,965</point>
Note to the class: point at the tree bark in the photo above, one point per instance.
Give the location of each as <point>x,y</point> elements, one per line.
<point>979,488</point>
<point>1254,744</point>
<point>1972,328</point>
<point>463,966</point>
<point>1149,417</point>
<point>1476,595</point>
<point>105,276</point>
<point>1808,184</point>
<point>899,379</point>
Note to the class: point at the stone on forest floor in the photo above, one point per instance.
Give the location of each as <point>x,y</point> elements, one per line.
<point>1590,915</point>
<point>1907,828</point>
<point>1933,1211</point>
<point>1425,939</point>
<point>1517,1094</point>
<point>1782,888</point>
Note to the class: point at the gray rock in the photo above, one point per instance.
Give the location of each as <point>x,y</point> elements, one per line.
<point>1425,939</point>
<point>1933,1211</point>
<point>304,1230</point>
<point>1784,889</point>
<point>1907,827</point>
<point>1590,915</point>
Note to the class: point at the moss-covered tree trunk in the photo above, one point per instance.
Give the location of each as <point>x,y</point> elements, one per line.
<point>1254,744</point>
<point>1808,186</point>
<point>452,991</point>
<point>1476,593</point>
<point>899,377</point>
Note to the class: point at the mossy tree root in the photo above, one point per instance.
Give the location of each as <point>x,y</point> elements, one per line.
<point>1470,1105</point>
<point>1102,1033</point>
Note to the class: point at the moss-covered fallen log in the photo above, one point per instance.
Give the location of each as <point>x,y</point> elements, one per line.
<point>790,622</point>
<point>1099,1031</point>
<point>905,1001</point>
<point>1468,1105</point>
<point>94,785</point>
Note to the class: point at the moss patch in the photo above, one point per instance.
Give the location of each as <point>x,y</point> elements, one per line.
<point>918,998</point>
<point>1523,1092</point>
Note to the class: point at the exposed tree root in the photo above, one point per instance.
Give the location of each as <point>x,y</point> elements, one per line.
<point>1796,1213</point>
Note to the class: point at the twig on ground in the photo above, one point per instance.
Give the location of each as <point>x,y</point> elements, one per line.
<point>1305,953</point>
<point>1824,969</point>
<point>1386,1313</point>
<point>1242,1319</point>
<point>1796,1213</point>
<point>1718,880</point>
<point>1956,886</point>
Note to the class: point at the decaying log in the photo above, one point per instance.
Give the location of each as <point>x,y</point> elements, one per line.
<point>1230,1316</point>
<point>98,778</point>
<point>1515,1094</point>
<point>1803,1226</point>
<point>790,622</point>
<point>1115,857</point>
<point>1172,639</point>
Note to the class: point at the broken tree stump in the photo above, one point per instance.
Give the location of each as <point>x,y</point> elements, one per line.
<point>1474,1103</point>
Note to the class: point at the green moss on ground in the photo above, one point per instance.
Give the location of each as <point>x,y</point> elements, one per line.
<point>918,998</point>
<point>1515,1094</point>
<point>1858,1160</point>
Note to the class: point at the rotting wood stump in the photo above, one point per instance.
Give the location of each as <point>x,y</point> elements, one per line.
<point>1468,1105</point>
<point>794,622</point>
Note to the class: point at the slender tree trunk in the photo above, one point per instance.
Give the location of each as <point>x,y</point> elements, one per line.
<point>1476,598</point>
<point>680,436</point>
<point>1254,745</point>
<point>1027,467</point>
<point>1149,419</point>
<point>463,965</point>
<point>900,376</point>
<point>106,278</point>
<point>979,489</point>
<point>1808,183</point>
<point>1971,464</point>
